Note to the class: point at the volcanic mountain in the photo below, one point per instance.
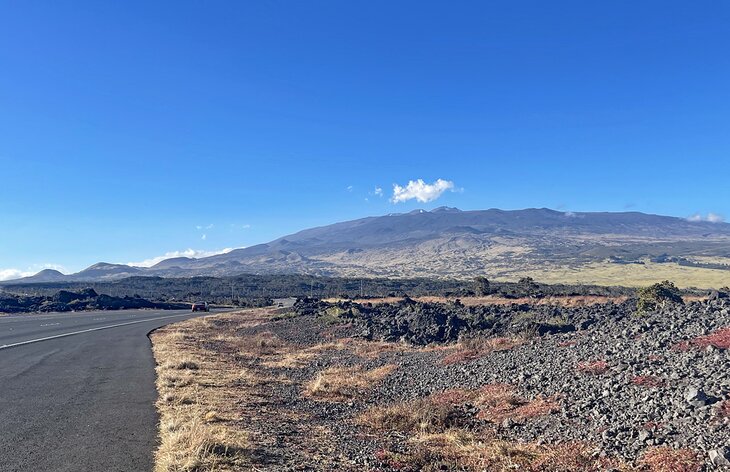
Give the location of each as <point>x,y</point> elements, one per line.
<point>447,242</point>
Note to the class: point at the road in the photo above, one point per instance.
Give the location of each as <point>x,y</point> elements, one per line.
<point>77,391</point>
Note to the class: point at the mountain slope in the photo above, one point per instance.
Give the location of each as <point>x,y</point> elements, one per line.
<point>44,276</point>
<point>454,243</point>
<point>447,242</point>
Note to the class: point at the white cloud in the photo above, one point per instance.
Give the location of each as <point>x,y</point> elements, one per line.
<point>349,188</point>
<point>421,191</point>
<point>192,253</point>
<point>715,218</point>
<point>201,227</point>
<point>10,274</point>
<point>711,217</point>
<point>378,191</point>
<point>204,237</point>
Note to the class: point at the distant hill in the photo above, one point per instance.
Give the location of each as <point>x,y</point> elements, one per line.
<point>447,242</point>
<point>44,276</point>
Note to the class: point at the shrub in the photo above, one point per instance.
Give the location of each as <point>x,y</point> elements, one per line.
<point>647,381</point>
<point>667,459</point>
<point>344,383</point>
<point>474,348</point>
<point>657,296</point>
<point>481,286</point>
<point>719,339</point>
<point>438,412</point>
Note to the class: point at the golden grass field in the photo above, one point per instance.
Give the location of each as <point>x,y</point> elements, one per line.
<point>628,275</point>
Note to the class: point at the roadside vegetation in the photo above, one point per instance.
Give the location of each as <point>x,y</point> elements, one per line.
<point>409,385</point>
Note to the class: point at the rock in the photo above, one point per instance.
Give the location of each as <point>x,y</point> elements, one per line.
<point>695,397</point>
<point>720,457</point>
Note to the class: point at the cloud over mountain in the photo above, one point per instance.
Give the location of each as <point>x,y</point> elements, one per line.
<point>191,253</point>
<point>420,190</point>
<point>711,217</point>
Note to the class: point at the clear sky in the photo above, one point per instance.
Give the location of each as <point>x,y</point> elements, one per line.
<point>132,129</point>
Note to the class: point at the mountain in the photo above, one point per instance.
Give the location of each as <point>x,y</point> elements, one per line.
<point>454,243</point>
<point>44,276</point>
<point>448,242</point>
<point>106,271</point>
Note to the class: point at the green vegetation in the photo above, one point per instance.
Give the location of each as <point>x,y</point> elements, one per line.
<point>657,296</point>
<point>481,286</point>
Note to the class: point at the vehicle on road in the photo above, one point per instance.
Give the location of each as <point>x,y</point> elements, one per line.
<point>200,306</point>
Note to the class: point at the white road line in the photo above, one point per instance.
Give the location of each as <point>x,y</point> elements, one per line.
<point>22,343</point>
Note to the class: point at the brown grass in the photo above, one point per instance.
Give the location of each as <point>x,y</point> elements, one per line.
<point>461,450</point>
<point>475,348</point>
<point>442,411</point>
<point>667,459</point>
<point>345,383</point>
<point>198,418</point>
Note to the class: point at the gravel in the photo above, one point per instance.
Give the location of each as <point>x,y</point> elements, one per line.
<point>655,390</point>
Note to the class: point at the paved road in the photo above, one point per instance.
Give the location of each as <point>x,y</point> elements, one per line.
<point>79,402</point>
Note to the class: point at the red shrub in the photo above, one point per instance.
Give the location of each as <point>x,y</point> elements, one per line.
<point>594,368</point>
<point>719,339</point>
<point>454,396</point>
<point>647,381</point>
<point>653,425</point>
<point>667,459</point>
<point>472,349</point>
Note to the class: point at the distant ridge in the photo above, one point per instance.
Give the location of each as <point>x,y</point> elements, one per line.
<point>448,242</point>
<point>44,276</point>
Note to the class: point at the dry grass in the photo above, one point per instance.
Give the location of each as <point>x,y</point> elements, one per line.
<point>627,275</point>
<point>192,444</point>
<point>443,411</point>
<point>256,346</point>
<point>667,459</point>
<point>475,348</point>
<point>461,450</point>
<point>345,383</point>
<point>199,422</point>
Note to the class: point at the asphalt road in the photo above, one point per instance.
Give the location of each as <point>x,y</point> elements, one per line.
<point>82,401</point>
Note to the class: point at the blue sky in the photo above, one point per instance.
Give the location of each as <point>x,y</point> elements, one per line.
<point>132,129</point>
